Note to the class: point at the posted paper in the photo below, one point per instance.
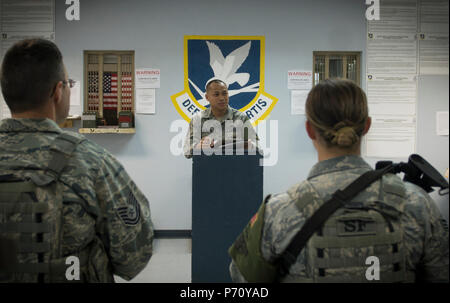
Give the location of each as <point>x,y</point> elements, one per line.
<point>391,137</point>
<point>396,16</point>
<point>29,16</point>
<point>145,100</point>
<point>392,94</point>
<point>299,79</point>
<point>433,16</point>
<point>75,100</point>
<point>442,123</point>
<point>392,53</point>
<point>298,100</point>
<point>433,54</point>
<point>148,78</point>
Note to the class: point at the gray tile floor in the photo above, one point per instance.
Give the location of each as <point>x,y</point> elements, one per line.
<point>170,263</point>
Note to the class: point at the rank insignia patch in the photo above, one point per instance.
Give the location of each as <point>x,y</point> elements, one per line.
<point>130,214</point>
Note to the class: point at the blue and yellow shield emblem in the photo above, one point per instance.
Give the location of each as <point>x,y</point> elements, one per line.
<point>236,60</point>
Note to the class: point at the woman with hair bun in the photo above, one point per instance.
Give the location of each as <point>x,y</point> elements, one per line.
<point>337,118</point>
<point>390,232</point>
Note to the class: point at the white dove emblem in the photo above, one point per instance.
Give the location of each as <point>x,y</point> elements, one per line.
<point>225,69</point>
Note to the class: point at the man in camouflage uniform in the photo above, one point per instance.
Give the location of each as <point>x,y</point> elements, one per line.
<point>218,114</point>
<point>106,218</point>
<point>413,246</point>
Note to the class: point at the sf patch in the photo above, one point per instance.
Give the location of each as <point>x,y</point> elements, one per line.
<point>130,214</point>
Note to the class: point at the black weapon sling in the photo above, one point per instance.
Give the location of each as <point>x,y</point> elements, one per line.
<point>314,223</point>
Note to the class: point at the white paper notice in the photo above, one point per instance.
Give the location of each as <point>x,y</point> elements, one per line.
<point>391,94</point>
<point>433,15</point>
<point>75,95</point>
<point>396,16</point>
<point>391,137</point>
<point>145,101</point>
<point>75,100</point>
<point>26,15</point>
<point>299,79</point>
<point>4,109</point>
<point>433,54</point>
<point>442,123</point>
<point>6,113</point>
<point>148,78</point>
<point>298,100</point>
<point>391,53</point>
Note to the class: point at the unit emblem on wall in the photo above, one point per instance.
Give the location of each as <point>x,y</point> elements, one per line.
<point>236,60</point>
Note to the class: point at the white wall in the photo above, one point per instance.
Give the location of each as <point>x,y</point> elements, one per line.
<point>293,29</point>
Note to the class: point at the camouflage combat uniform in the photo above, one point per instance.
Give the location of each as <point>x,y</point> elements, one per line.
<point>232,114</point>
<point>425,232</point>
<point>104,213</point>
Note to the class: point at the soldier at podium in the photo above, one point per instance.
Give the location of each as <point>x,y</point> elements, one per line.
<point>212,128</point>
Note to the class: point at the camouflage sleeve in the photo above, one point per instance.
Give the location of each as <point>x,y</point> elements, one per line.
<point>235,274</point>
<point>246,253</point>
<point>256,251</point>
<point>126,219</point>
<point>191,140</point>
<point>188,142</point>
<point>433,254</point>
<point>282,222</point>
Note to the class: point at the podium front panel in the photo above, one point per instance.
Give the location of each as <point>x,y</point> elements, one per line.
<point>226,192</point>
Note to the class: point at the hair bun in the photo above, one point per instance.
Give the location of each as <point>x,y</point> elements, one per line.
<point>345,136</point>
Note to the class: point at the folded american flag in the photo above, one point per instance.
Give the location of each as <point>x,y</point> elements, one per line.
<point>109,90</point>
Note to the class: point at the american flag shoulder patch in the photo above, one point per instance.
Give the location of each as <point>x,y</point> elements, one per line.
<point>130,214</point>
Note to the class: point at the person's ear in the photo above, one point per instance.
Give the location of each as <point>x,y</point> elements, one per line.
<point>367,126</point>
<point>310,130</point>
<point>57,96</point>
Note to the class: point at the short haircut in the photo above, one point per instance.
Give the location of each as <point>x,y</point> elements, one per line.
<point>30,71</point>
<point>215,81</point>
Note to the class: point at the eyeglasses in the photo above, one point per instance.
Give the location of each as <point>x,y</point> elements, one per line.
<point>71,82</point>
<point>64,82</point>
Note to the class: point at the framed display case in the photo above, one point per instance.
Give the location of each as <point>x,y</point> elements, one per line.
<point>108,92</point>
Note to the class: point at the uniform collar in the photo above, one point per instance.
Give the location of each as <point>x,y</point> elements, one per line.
<point>207,114</point>
<point>29,125</point>
<point>338,164</point>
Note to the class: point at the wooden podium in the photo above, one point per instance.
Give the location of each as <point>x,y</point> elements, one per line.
<point>227,191</point>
